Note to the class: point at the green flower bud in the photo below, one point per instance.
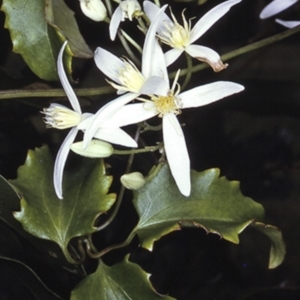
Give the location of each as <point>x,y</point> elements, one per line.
<point>133,181</point>
<point>95,149</point>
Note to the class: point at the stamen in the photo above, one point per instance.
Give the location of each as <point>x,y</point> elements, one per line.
<point>60,117</point>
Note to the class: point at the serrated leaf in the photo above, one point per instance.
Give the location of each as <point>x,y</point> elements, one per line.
<point>215,204</point>
<point>44,215</point>
<point>278,250</point>
<point>123,281</point>
<point>61,17</point>
<point>32,37</point>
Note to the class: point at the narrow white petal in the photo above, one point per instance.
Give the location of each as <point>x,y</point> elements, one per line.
<point>64,80</point>
<point>209,93</point>
<point>275,7</point>
<point>60,161</point>
<point>108,63</point>
<point>177,154</point>
<point>210,18</point>
<point>155,86</point>
<point>115,22</point>
<point>131,114</point>
<point>288,24</point>
<point>115,136</point>
<point>172,55</point>
<point>104,114</point>
<point>207,55</point>
<point>151,11</point>
<point>153,61</point>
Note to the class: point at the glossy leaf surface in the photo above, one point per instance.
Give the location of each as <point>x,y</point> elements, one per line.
<point>123,281</point>
<point>44,215</point>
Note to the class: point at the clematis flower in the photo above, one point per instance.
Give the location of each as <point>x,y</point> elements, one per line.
<point>61,117</point>
<point>125,76</point>
<point>288,24</point>
<point>127,9</point>
<point>93,9</point>
<point>275,7</point>
<point>167,105</point>
<point>182,38</point>
<point>128,79</point>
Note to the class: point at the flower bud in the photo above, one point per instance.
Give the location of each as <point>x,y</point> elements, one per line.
<point>93,9</point>
<point>95,149</point>
<point>133,181</point>
<point>130,9</point>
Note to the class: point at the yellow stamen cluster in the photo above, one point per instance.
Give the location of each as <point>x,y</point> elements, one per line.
<point>130,78</point>
<point>177,36</point>
<point>167,104</point>
<point>60,117</point>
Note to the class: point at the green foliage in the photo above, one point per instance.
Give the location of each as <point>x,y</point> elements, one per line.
<point>44,215</point>
<point>60,17</point>
<point>278,250</point>
<point>215,204</point>
<point>123,281</point>
<point>36,40</point>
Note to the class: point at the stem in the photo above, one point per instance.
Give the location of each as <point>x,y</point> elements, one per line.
<point>122,190</point>
<point>131,41</point>
<point>135,151</point>
<point>243,50</point>
<point>10,94</point>
<point>110,248</point>
<point>189,71</point>
<point>128,50</point>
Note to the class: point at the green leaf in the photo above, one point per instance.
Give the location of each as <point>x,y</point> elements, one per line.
<point>32,37</point>
<point>278,250</point>
<point>123,281</point>
<point>215,204</point>
<point>61,17</point>
<point>44,215</point>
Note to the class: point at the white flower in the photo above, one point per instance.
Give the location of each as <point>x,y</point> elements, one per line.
<point>127,9</point>
<point>181,38</point>
<point>93,9</point>
<point>275,7</point>
<point>61,117</point>
<point>167,106</point>
<point>128,79</point>
<point>126,76</point>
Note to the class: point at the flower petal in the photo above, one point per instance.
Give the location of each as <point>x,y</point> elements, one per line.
<point>275,7</point>
<point>108,63</point>
<point>131,114</point>
<point>115,22</point>
<point>207,55</point>
<point>209,93</point>
<point>155,86</point>
<point>60,161</point>
<point>288,24</point>
<point>115,136</point>
<point>153,62</point>
<point>172,55</point>
<point>177,154</point>
<point>151,11</point>
<point>103,114</point>
<point>64,80</point>
<point>210,18</point>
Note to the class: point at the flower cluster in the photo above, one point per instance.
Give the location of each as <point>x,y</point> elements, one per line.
<point>149,86</point>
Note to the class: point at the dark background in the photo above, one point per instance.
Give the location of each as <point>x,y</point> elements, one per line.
<point>253,137</point>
